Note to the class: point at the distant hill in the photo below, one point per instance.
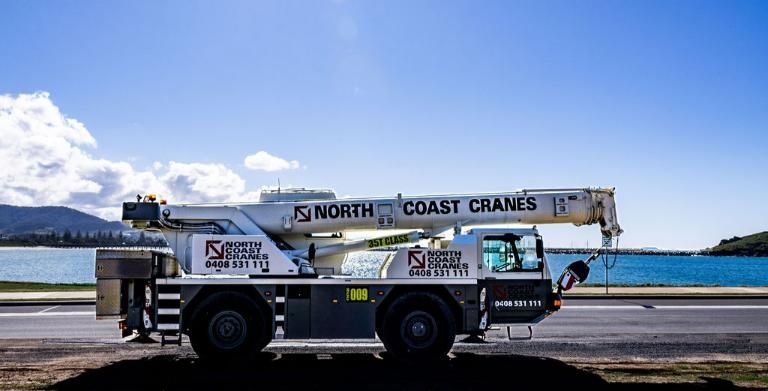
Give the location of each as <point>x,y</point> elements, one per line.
<point>755,245</point>
<point>22,219</point>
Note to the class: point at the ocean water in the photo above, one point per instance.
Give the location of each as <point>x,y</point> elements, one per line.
<point>41,264</point>
<point>77,266</point>
<point>671,270</point>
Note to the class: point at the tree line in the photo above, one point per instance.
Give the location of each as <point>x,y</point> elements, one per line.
<point>83,239</point>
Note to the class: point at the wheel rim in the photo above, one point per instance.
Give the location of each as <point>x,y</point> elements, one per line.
<point>418,329</point>
<point>227,330</point>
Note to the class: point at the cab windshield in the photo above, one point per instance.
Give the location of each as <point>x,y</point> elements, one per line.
<point>511,253</point>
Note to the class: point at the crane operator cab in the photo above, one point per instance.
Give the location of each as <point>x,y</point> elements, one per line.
<point>513,280</point>
<point>515,276</point>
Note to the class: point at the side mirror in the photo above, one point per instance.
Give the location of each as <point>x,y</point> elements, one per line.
<point>572,275</point>
<point>539,248</point>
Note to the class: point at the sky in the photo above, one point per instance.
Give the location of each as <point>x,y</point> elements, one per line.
<point>667,101</point>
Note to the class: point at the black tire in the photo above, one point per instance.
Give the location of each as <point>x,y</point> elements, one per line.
<point>418,326</point>
<point>229,326</point>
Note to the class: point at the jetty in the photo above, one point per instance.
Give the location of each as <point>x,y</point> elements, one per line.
<point>629,251</point>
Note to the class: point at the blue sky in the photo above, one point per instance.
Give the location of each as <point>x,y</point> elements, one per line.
<point>666,101</point>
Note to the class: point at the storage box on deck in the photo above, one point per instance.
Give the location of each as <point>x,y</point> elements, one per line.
<point>121,275</point>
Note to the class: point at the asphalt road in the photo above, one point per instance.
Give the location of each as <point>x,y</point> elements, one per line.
<point>649,344</point>
<point>579,319</point>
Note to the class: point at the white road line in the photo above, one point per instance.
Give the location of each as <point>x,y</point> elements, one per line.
<point>666,307</point>
<point>35,314</point>
<point>48,309</point>
<point>603,307</point>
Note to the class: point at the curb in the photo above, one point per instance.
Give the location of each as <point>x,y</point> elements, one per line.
<point>19,303</point>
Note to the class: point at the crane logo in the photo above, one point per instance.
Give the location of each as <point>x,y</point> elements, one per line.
<point>302,214</point>
<point>214,249</point>
<point>417,259</point>
<point>500,292</point>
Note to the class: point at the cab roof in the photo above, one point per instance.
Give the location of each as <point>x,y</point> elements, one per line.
<point>516,231</point>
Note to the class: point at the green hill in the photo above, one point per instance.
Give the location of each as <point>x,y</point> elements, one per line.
<point>22,226</point>
<point>755,245</point>
<point>23,219</point>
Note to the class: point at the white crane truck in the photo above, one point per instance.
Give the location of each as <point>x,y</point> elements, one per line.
<point>238,276</point>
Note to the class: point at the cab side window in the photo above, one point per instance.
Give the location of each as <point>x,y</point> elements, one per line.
<point>502,254</point>
<point>527,250</point>
<point>497,255</point>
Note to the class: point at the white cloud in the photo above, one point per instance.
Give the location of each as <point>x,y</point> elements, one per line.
<point>197,182</point>
<point>263,161</point>
<point>45,159</point>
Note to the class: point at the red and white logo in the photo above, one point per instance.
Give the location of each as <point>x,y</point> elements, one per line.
<point>214,249</point>
<point>302,214</point>
<point>417,259</point>
<point>569,280</point>
<point>500,292</point>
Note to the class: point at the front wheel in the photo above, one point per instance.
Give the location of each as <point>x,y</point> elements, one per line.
<point>228,326</point>
<point>418,325</point>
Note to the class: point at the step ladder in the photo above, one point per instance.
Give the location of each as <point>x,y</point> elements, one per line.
<point>169,314</point>
<point>280,312</point>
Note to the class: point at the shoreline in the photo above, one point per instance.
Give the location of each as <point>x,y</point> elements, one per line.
<point>32,286</point>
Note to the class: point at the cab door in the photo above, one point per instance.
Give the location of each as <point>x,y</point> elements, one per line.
<point>515,278</point>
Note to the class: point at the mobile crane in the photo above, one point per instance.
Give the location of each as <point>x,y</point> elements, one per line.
<point>238,276</point>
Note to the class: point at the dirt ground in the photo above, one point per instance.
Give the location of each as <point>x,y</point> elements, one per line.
<point>59,364</point>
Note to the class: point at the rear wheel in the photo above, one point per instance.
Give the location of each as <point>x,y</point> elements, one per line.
<point>229,326</point>
<point>418,325</point>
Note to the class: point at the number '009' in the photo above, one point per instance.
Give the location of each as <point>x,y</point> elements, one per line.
<point>358,294</point>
